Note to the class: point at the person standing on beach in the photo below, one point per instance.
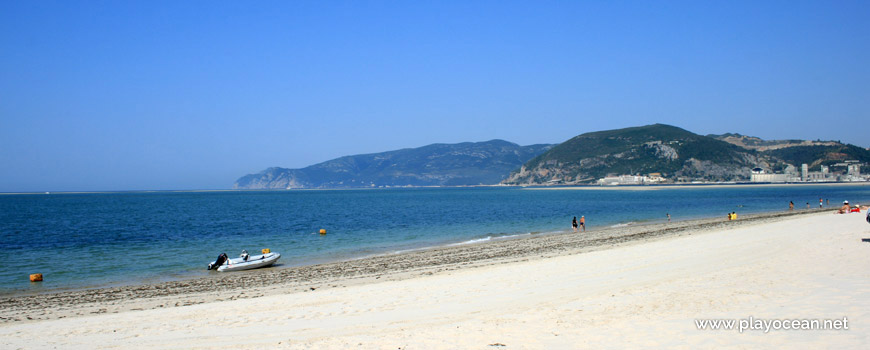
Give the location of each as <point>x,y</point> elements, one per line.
<point>790,205</point>
<point>820,203</point>
<point>808,205</point>
<point>582,223</point>
<point>574,224</point>
<point>669,217</point>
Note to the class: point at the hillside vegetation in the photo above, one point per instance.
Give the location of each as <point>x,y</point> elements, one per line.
<point>658,148</point>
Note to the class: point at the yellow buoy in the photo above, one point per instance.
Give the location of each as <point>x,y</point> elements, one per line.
<point>322,231</point>
<point>266,250</point>
<point>36,277</point>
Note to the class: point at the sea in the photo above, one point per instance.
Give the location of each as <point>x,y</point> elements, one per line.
<point>93,240</point>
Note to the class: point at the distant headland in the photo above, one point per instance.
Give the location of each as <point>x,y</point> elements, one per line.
<point>644,155</point>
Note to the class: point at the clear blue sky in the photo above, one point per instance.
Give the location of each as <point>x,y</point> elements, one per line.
<point>124,95</point>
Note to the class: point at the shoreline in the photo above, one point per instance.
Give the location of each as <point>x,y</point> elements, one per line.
<point>400,266</point>
<point>639,288</point>
<point>695,186</point>
<point>344,257</point>
<point>543,187</point>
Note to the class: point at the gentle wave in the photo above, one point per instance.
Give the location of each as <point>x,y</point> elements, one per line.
<point>489,238</point>
<point>471,241</point>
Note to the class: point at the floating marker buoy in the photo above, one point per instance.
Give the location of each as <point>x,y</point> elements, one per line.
<point>323,231</point>
<point>266,250</point>
<point>36,277</point>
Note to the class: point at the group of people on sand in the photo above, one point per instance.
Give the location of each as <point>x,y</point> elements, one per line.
<point>582,223</point>
<point>845,209</point>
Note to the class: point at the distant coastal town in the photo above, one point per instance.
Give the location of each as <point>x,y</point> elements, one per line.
<point>644,155</point>
<point>847,171</point>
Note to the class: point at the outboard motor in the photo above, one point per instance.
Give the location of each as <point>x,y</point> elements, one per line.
<point>244,255</point>
<point>221,259</point>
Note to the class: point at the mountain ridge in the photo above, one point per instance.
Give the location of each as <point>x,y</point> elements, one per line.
<point>676,155</point>
<point>438,164</point>
<point>670,153</point>
<point>658,148</point>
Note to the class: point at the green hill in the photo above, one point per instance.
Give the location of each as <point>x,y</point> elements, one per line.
<point>658,148</point>
<point>815,156</point>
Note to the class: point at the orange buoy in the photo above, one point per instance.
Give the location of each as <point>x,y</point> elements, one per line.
<point>322,231</point>
<point>36,277</point>
<point>266,250</point>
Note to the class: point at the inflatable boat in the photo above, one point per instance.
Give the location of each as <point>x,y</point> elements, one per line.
<point>243,262</point>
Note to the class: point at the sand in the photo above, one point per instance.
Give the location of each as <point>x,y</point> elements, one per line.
<point>653,187</point>
<point>628,287</point>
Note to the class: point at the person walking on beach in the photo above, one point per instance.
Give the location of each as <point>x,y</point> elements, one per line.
<point>582,223</point>
<point>790,205</point>
<point>574,224</point>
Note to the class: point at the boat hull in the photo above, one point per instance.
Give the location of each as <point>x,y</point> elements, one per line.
<point>253,262</point>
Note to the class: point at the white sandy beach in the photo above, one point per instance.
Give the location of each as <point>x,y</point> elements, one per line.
<point>646,294</point>
<point>694,186</point>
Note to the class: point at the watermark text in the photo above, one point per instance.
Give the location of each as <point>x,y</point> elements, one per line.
<point>767,325</point>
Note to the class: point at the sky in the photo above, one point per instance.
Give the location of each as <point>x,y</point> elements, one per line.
<point>175,95</point>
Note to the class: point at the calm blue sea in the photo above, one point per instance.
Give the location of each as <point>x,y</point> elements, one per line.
<point>86,240</point>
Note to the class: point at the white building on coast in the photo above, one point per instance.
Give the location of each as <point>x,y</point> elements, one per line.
<point>760,175</point>
<point>653,178</point>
